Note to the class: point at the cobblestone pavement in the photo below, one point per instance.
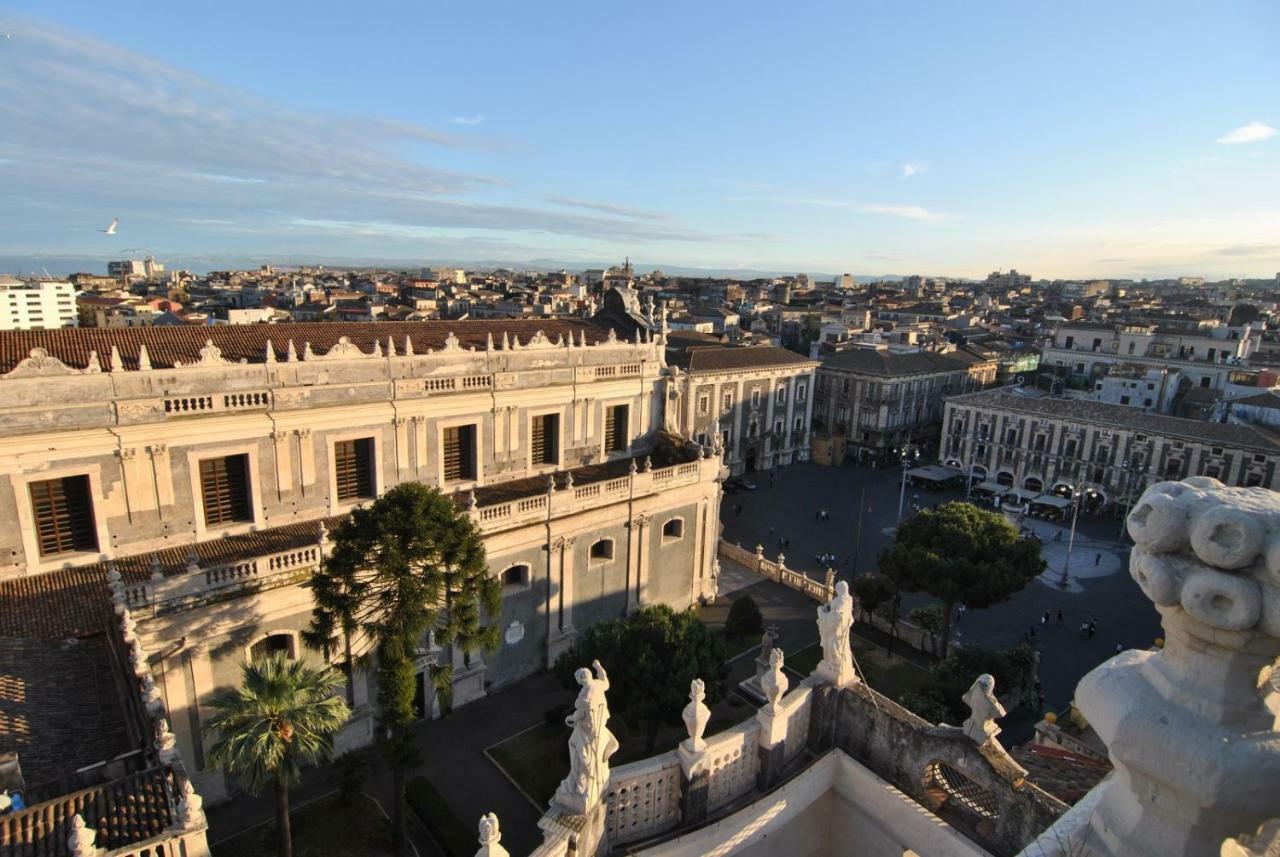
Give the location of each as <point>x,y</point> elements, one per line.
<point>786,507</point>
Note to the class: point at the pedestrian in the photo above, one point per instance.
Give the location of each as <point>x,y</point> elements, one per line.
<point>1097,559</point>
<point>786,543</point>
<point>1093,628</point>
<point>1119,648</point>
<point>1060,617</point>
<point>1044,618</point>
<point>1031,632</point>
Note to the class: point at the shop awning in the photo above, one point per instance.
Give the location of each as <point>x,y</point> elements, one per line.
<point>992,488</point>
<point>934,473</point>
<point>1052,500</point>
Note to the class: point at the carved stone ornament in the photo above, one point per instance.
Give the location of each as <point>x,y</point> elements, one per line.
<point>696,715</point>
<point>491,837</point>
<point>140,409</point>
<point>984,709</point>
<point>451,343</point>
<point>39,364</point>
<point>539,340</point>
<point>343,349</point>
<point>774,683</point>
<point>210,356</point>
<point>612,338</point>
<point>190,808</point>
<point>82,838</point>
<point>514,632</point>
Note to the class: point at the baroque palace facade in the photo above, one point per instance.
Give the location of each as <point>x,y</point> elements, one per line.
<point>202,466</point>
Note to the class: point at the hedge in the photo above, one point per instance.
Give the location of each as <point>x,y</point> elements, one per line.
<point>456,838</point>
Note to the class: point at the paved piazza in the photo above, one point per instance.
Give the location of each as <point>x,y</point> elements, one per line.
<point>1099,586</point>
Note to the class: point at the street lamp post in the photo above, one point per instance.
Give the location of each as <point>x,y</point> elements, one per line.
<point>1076,490</point>
<point>907,453</point>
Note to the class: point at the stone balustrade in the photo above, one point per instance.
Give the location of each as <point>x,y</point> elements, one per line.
<point>819,590</point>
<point>643,798</point>
<point>568,501</point>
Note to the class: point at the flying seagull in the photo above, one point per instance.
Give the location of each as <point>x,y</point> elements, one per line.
<point>111,230</point>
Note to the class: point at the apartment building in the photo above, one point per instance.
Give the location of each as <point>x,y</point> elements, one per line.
<point>36,304</point>
<point>872,400</point>
<point>1045,444</point>
<point>1205,353</point>
<point>198,468</point>
<point>759,400</point>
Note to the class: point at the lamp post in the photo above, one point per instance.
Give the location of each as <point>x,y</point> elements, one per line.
<point>1076,491</point>
<point>909,453</point>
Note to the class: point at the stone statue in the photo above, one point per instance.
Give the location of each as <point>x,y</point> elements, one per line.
<point>490,837</point>
<point>165,743</point>
<point>984,708</point>
<point>695,715</point>
<point>775,682</point>
<point>81,839</point>
<point>767,639</point>
<point>1191,727</point>
<point>590,745</point>
<point>835,621</point>
<point>190,807</point>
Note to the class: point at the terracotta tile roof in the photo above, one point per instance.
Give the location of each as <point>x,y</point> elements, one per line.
<point>1062,773</point>
<point>1116,417</point>
<point>248,342</point>
<point>72,602</point>
<point>870,361</point>
<point>753,357</point>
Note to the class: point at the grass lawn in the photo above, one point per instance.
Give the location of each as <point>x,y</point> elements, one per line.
<point>538,759</point>
<point>894,677</point>
<point>326,828</point>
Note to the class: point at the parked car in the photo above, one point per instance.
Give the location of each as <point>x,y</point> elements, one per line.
<point>737,484</point>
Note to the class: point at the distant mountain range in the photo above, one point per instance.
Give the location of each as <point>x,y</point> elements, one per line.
<point>63,265</point>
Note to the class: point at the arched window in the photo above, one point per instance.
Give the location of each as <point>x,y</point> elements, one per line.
<point>673,530</point>
<point>285,642</point>
<point>516,575</point>
<point>602,550</point>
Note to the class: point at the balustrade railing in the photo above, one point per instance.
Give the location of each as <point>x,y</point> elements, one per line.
<point>733,762</point>
<point>643,798</point>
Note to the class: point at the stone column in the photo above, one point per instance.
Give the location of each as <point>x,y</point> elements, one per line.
<point>306,457</point>
<point>1191,728</point>
<point>283,458</point>
<point>773,724</point>
<point>403,442</point>
<point>160,471</point>
<point>640,525</point>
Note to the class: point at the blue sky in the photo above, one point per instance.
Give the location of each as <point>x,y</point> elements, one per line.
<point>1080,139</point>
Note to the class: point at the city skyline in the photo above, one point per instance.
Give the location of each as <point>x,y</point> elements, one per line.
<point>1138,142</point>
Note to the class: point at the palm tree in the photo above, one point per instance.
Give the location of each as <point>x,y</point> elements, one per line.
<point>283,715</point>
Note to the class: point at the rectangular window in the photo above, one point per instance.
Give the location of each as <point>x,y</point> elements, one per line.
<point>353,468</point>
<point>616,419</point>
<point>460,452</point>
<point>545,439</point>
<point>704,404</point>
<point>224,487</point>
<point>63,515</point>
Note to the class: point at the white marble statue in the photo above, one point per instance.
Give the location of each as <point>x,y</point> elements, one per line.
<point>695,716</point>
<point>590,745</point>
<point>984,709</point>
<point>835,621</point>
<point>490,837</point>
<point>81,839</point>
<point>774,682</point>
<point>165,743</point>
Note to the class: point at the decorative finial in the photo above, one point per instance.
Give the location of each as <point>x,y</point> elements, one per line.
<point>568,480</point>
<point>491,837</point>
<point>291,356</point>
<point>117,365</point>
<point>193,559</point>
<point>408,346</point>
<point>269,353</point>
<point>144,359</point>
<point>157,569</point>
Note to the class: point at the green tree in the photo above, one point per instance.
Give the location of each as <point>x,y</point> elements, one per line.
<point>282,716</point>
<point>651,657</point>
<point>960,553</point>
<point>744,619</point>
<point>930,619</point>
<point>407,564</point>
<point>877,595</point>
<point>1244,314</point>
<point>941,700</point>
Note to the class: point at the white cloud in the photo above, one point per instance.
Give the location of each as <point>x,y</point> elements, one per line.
<point>911,168</point>
<point>170,147</point>
<point>910,212</point>
<point>467,120</point>
<point>608,208</point>
<point>1251,132</point>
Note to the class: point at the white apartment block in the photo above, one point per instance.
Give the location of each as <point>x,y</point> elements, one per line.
<point>1205,354</point>
<point>37,304</point>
